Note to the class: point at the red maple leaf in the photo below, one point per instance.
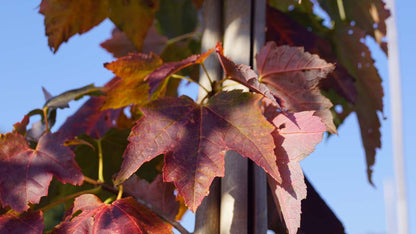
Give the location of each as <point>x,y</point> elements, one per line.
<point>195,138</point>
<point>294,75</point>
<point>168,69</point>
<point>25,173</point>
<point>295,137</point>
<point>158,193</point>
<point>244,75</point>
<point>122,216</point>
<point>30,222</point>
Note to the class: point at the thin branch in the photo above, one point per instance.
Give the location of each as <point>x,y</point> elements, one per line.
<point>100,162</point>
<point>111,189</point>
<point>69,197</point>
<point>176,76</point>
<point>206,73</point>
<point>181,37</point>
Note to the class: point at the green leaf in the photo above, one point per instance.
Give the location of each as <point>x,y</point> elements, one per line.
<point>61,101</point>
<point>176,17</point>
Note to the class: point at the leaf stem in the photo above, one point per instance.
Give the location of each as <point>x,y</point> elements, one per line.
<point>181,37</point>
<point>69,197</point>
<point>100,162</point>
<point>45,116</point>
<point>120,192</point>
<point>176,76</point>
<point>206,73</point>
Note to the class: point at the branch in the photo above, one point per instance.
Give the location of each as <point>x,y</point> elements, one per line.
<point>111,189</point>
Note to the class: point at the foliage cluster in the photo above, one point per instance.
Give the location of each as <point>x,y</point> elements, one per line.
<point>137,156</point>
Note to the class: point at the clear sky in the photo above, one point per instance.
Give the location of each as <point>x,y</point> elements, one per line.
<point>336,168</point>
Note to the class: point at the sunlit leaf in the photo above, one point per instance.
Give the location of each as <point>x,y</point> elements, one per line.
<point>168,69</point>
<point>131,88</point>
<point>195,138</point>
<point>294,75</point>
<point>64,19</point>
<point>295,137</point>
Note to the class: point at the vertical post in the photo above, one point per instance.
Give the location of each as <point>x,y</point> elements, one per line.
<point>396,119</point>
<point>234,185</point>
<point>259,181</point>
<point>207,217</point>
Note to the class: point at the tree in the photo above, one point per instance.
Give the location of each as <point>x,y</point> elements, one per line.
<point>114,162</point>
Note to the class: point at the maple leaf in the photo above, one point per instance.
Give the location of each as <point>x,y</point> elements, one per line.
<point>122,216</point>
<point>283,30</point>
<point>195,138</point>
<point>358,60</point>
<point>244,75</point>
<point>131,88</point>
<point>64,19</point>
<point>89,118</point>
<point>30,222</point>
<point>168,69</point>
<point>160,195</point>
<point>119,44</point>
<point>368,15</point>
<point>27,173</point>
<point>134,18</point>
<point>295,137</point>
<point>294,75</point>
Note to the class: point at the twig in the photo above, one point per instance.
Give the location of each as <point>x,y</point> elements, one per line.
<point>71,196</point>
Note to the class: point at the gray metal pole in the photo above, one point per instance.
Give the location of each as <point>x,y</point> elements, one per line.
<point>396,119</point>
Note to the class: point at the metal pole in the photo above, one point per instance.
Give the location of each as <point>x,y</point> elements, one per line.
<point>396,118</point>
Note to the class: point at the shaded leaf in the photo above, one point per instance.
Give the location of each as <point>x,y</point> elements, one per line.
<point>176,17</point>
<point>131,88</point>
<point>25,173</point>
<point>154,42</point>
<point>89,118</point>
<point>30,222</point>
<point>244,75</point>
<point>294,75</point>
<point>61,101</point>
<point>368,15</point>
<point>134,18</point>
<point>46,94</point>
<point>160,195</point>
<point>119,44</point>
<point>64,18</point>
<point>283,30</point>
<point>113,144</point>
<point>357,58</point>
<point>195,138</point>
<point>123,216</point>
<point>295,137</point>
<point>168,69</point>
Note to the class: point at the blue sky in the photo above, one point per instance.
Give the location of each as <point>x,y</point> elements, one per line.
<point>336,168</point>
